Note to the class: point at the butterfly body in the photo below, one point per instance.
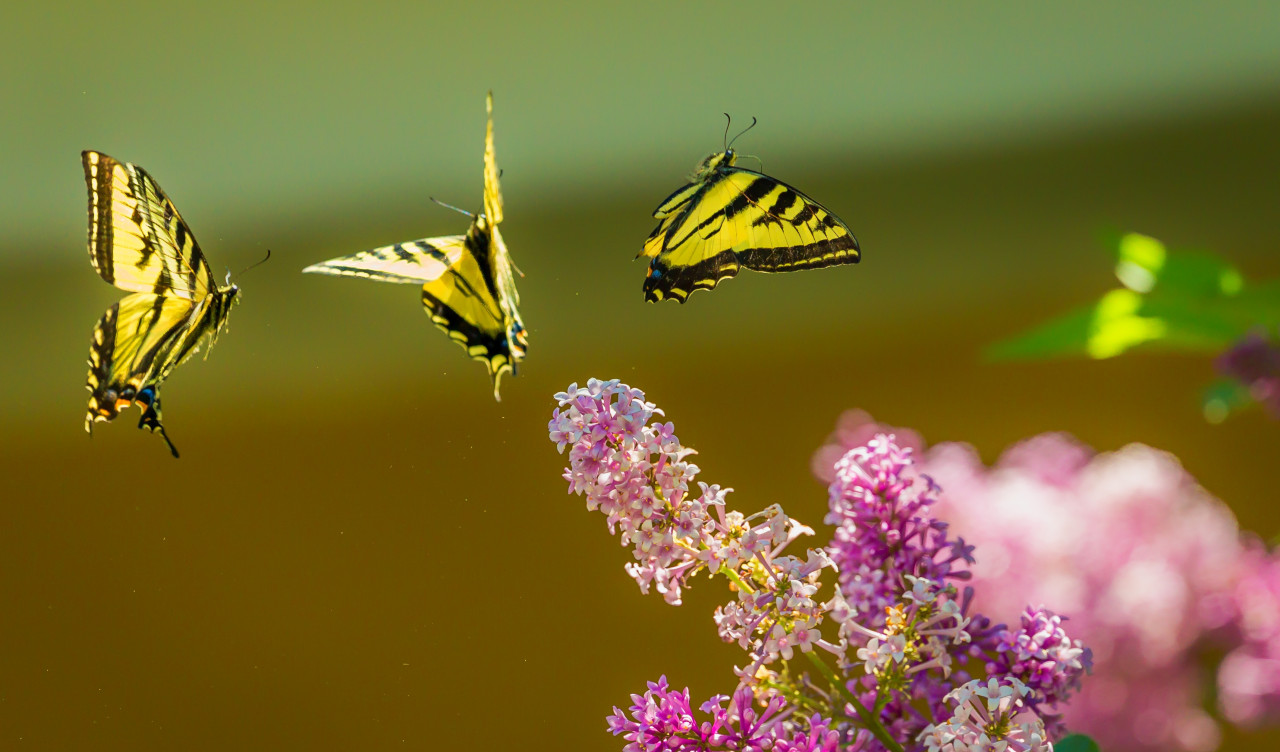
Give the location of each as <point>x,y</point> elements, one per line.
<point>468,281</point>
<point>728,218</point>
<point>139,243</point>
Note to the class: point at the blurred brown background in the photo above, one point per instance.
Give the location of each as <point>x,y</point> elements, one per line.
<point>359,549</point>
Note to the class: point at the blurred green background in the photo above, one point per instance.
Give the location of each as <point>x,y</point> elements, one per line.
<point>359,548</point>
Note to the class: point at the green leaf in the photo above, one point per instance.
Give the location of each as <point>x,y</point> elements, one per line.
<point>1121,320</point>
<point>1199,273</point>
<point>1186,301</point>
<point>1060,337</point>
<point>1076,743</point>
<point>1139,261</point>
<point>1143,264</point>
<point>1260,303</point>
<point>1118,324</point>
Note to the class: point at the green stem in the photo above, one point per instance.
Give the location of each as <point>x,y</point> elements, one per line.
<point>871,722</point>
<point>737,580</point>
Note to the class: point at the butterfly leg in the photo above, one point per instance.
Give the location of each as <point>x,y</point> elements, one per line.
<point>150,419</point>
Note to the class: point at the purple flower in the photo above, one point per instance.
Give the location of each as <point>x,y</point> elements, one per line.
<point>884,528</point>
<point>915,635</point>
<point>905,644</point>
<point>663,719</point>
<point>1048,662</point>
<point>1254,361</point>
<point>1149,567</point>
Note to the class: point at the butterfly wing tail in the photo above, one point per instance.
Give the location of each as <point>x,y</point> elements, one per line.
<point>150,419</point>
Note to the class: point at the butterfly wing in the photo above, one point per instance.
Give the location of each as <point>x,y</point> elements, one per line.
<point>135,345</point>
<point>468,284</point>
<point>739,218</point>
<point>492,191</point>
<point>415,263</point>
<point>458,291</point>
<point>499,346</point>
<point>503,268</point>
<point>137,240</point>
<point>467,305</point>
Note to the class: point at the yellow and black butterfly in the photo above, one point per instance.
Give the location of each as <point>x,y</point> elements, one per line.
<point>468,287</point>
<point>727,218</point>
<point>139,243</point>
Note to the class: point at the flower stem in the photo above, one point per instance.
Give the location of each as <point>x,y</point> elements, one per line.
<point>733,576</point>
<point>871,722</point>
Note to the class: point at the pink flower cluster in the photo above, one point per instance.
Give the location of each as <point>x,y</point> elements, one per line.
<point>991,716</point>
<point>906,644</point>
<point>636,475</point>
<point>1249,676</point>
<point>913,639</point>
<point>883,528</point>
<point>1149,567</point>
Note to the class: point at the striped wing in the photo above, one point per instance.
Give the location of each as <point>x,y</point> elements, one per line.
<point>137,240</point>
<point>459,291</point>
<point>500,264</point>
<point>135,345</point>
<point>406,263</point>
<point>468,305</point>
<point>492,191</point>
<point>468,284</point>
<point>739,218</point>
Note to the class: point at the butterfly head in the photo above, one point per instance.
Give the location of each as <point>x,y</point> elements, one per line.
<point>229,289</point>
<point>708,166</point>
<point>720,160</point>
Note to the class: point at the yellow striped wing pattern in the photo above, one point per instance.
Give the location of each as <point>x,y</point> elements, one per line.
<point>729,218</point>
<point>138,242</point>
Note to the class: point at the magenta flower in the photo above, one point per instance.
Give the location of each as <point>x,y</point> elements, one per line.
<point>1048,662</point>
<point>895,559</point>
<point>884,531</point>
<point>663,719</point>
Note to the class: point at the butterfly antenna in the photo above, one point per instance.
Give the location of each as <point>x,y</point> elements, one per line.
<point>264,260</point>
<point>451,206</point>
<point>744,130</point>
<point>727,120</point>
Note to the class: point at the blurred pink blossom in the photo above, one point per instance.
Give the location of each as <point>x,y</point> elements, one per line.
<point>1148,566</point>
<point>1249,677</point>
